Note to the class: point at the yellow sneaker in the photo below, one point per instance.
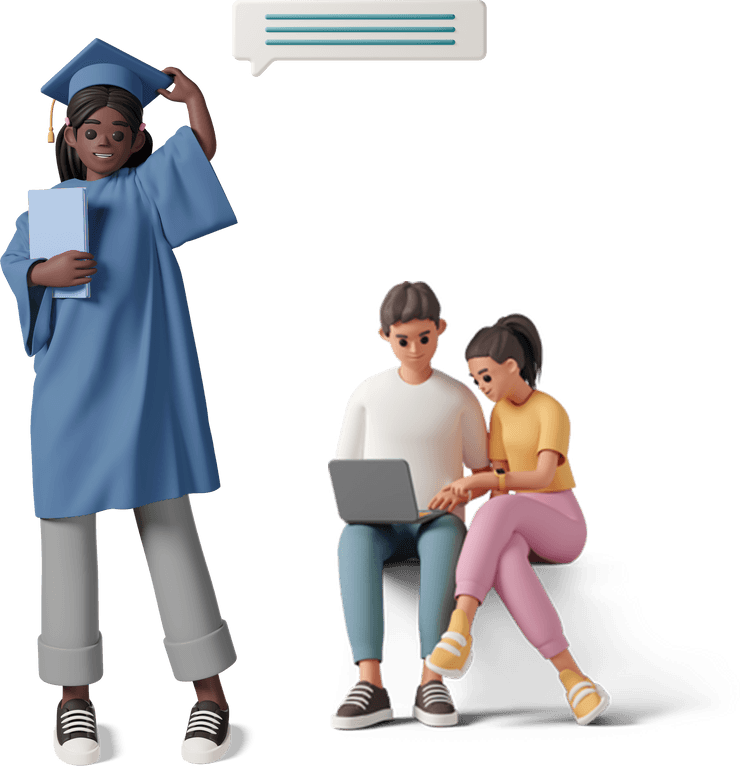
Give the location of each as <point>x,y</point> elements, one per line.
<point>586,699</point>
<point>452,655</point>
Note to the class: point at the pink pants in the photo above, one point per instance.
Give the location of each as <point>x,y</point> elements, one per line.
<point>496,555</point>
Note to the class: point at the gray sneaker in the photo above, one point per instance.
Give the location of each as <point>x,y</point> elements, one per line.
<point>76,733</point>
<point>434,706</point>
<point>365,705</point>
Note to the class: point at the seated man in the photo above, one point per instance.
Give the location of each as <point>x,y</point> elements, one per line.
<point>434,423</point>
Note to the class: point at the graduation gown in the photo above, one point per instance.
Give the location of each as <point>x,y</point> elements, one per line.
<point>119,414</point>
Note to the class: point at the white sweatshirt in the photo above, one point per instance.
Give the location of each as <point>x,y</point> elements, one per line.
<point>435,426</point>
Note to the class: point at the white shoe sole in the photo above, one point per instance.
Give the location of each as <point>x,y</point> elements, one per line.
<point>210,755</point>
<point>454,674</point>
<point>361,721</point>
<point>598,710</point>
<point>435,719</point>
<point>76,758</point>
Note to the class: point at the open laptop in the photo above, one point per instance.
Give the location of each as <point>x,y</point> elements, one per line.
<point>376,492</point>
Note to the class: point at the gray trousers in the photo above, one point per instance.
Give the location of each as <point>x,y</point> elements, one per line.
<point>197,640</point>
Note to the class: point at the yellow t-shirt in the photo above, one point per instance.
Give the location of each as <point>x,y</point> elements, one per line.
<point>520,432</point>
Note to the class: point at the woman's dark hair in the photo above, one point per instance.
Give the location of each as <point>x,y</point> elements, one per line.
<point>408,301</point>
<point>512,337</point>
<point>81,107</point>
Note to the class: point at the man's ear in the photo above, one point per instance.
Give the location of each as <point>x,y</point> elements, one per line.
<point>442,326</point>
<point>382,334</point>
<point>69,136</point>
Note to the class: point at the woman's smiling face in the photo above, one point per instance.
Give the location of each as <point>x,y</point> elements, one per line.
<point>104,142</point>
<point>494,380</point>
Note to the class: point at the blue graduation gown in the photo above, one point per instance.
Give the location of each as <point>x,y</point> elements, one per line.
<point>119,414</point>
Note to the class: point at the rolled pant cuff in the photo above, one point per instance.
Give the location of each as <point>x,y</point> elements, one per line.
<point>553,647</point>
<point>71,667</point>
<point>202,658</point>
<point>358,657</point>
<point>472,588</point>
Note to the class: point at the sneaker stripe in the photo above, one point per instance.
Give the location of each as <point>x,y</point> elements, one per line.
<point>359,696</point>
<point>435,687</point>
<point>81,720</point>
<point>581,685</point>
<point>430,698</point>
<point>204,720</point>
<point>456,637</point>
<point>448,648</point>
<point>583,694</point>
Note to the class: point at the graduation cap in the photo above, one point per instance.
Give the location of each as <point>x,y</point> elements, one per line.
<point>103,64</point>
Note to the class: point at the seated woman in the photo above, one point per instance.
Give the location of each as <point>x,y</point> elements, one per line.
<point>528,448</point>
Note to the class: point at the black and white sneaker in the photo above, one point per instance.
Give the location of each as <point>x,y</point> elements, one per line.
<point>208,735</point>
<point>434,705</point>
<point>76,734</point>
<point>365,705</point>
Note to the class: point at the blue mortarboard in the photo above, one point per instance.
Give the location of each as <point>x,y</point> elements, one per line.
<point>102,64</point>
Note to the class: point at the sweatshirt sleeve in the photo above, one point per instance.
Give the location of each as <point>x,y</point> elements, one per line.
<point>34,301</point>
<point>352,436</point>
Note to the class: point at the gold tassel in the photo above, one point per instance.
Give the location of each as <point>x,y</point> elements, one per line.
<point>50,137</point>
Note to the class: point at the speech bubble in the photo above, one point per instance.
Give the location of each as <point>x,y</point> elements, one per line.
<point>265,31</point>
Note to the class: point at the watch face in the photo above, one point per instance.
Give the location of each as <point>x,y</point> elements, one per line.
<point>500,471</point>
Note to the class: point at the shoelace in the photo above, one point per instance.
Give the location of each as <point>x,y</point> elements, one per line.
<point>204,720</point>
<point>78,720</point>
<point>431,693</point>
<point>360,696</point>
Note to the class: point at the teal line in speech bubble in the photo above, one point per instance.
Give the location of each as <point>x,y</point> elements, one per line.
<point>359,42</point>
<point>359,16</point>
<point>359,29</point>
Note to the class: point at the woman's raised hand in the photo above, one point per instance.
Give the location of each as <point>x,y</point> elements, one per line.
<point>185,88</point>
<point>187,92</point>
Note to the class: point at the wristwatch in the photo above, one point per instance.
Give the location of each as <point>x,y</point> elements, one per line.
<point>501,479</point>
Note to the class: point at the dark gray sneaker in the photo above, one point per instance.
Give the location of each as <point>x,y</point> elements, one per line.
<point>365,705</point>
<point>208,735</point>
<point>76,733</point>
<point>434,706</point>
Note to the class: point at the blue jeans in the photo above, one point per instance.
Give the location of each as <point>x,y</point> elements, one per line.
<point>364,548</point>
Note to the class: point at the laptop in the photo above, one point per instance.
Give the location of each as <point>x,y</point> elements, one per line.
<point>376,492</point>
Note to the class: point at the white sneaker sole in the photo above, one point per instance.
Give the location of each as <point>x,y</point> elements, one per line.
<point>211,755</point>
<point>361,721</point>
<point>598,710</point>
<point>76,758</point>
<point>454,674</point>
<point>435,719</point>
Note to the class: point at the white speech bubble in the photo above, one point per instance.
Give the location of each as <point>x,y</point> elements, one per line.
<point>265,31</point>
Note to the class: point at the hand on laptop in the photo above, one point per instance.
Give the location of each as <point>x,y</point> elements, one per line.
<point>446,500</point>
<point>457,492</point>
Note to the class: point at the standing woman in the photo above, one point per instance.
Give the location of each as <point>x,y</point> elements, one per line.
<point>119,415</point>
<point>529,454</point>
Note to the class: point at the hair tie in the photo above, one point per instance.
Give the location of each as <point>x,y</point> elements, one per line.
<point>142,126</point>
<point>67,122</point>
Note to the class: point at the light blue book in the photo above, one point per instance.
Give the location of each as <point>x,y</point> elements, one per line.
<point>57,222</point>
